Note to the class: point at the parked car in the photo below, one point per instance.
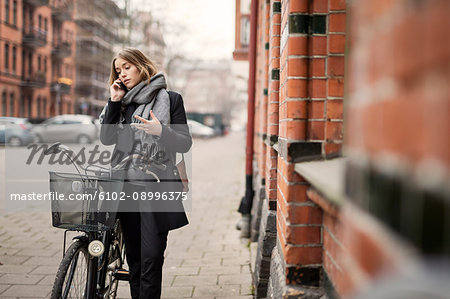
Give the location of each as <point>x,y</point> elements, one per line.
<point>199,130</point>
<point>16,131</point>
<point>99,126</point>
<point>67,128</point>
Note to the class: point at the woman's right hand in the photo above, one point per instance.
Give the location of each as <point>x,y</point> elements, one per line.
<point>116,91</point>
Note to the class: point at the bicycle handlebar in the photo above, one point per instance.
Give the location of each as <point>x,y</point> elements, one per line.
<point>58,147</point>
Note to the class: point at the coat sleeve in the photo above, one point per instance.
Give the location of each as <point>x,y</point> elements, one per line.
<point>177,137</point>
<point>108,129</point>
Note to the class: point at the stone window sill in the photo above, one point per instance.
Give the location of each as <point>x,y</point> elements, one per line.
<point>326,176</point>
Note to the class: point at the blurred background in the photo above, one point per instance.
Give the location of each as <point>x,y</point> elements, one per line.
<point>346,110</point>
<point>56,56</point>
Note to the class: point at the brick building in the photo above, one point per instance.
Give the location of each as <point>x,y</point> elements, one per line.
<point>56,55</point>
<point>37,57</point>
<point>334,212</point>
<point>97,34</point>
<point>239,66</point>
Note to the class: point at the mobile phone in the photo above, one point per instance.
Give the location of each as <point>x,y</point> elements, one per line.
<point>123,87</point>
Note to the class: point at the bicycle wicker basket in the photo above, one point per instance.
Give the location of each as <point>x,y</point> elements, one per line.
<point>81,209</point>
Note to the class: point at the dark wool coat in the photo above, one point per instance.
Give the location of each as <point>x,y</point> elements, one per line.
<point>177,139</point>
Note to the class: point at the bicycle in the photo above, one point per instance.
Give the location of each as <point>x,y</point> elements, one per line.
<point>92,266</point>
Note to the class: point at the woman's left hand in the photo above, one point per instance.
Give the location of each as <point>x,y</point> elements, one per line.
<point>152,127</point>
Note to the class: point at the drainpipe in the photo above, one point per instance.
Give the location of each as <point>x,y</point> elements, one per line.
<point>247,201</point>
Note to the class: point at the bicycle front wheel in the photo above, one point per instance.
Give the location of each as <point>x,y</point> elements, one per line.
<point>116,256</point>
<point>71,279</point>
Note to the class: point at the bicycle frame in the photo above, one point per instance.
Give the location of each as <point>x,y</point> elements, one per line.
<point>98,267</point>
<point>92,274</point>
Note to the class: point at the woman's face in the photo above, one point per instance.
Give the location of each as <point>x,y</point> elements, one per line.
<point>127,72</point>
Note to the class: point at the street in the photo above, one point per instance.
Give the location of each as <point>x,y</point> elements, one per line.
<point>205,259</point>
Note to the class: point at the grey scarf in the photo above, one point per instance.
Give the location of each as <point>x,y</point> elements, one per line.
<point>149,96</point>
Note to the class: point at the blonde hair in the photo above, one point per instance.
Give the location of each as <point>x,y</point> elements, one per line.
<point>146,67</point>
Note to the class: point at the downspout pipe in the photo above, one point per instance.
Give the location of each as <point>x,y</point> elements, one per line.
<point>247,201</point>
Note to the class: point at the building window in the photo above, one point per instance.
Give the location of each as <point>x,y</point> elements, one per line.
<point>4,103</point>
<point>44,108</point>
<point>23,63</point>
<point>45,28</point>
<point>40,22</point>
<point>14,57</point>
<point>39,107</point>
<point>54,70</point>
<point>45,64</point>
<point>29,107</point>
<point>22,107</point>
<point>11,104</point>
<point>30,63</point>
<point>39,62</point>
<point>30,20</point>
<point>6,11</point>
<point>15,12</point>
<point>245,7</point>
<point>245,31</point>
<point>6,57</point>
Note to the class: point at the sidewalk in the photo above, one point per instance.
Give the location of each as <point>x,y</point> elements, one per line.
<point>205,259</point>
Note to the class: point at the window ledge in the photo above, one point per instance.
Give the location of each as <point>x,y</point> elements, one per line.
<point>276,147</point>
<point>11,25</point>
<point>327,176</point>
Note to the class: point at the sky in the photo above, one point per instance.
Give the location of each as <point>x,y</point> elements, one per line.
<point>196,28</point>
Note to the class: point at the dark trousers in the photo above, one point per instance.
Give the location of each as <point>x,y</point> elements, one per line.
<point>144,249</point>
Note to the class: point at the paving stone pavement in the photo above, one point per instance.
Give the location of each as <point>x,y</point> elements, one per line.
<point>205,259</point>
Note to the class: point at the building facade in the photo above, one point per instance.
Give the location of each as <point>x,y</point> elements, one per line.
<point>239,66</point>
<point>146,35</point>
<point>37,57</point>
<point>97,35</point>
<point>350,206</point>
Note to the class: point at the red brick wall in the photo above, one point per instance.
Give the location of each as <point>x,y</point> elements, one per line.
<point>310,110</point>
<point>312,77</point>
<point>11,35</point>
<point>258,142</point>
<point>409,116</point>
<point>261,98</point>
<point>335,76</point>
<point>273,95</point>
<point>356,249</point>
<point>397,110</point>
<point>303,73</point>
<point>263,75</point>
<point>397,106</point>
<point>43,52</point>
<point>10,82</point>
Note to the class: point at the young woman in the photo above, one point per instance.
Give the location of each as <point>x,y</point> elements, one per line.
<point>137,117</point>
